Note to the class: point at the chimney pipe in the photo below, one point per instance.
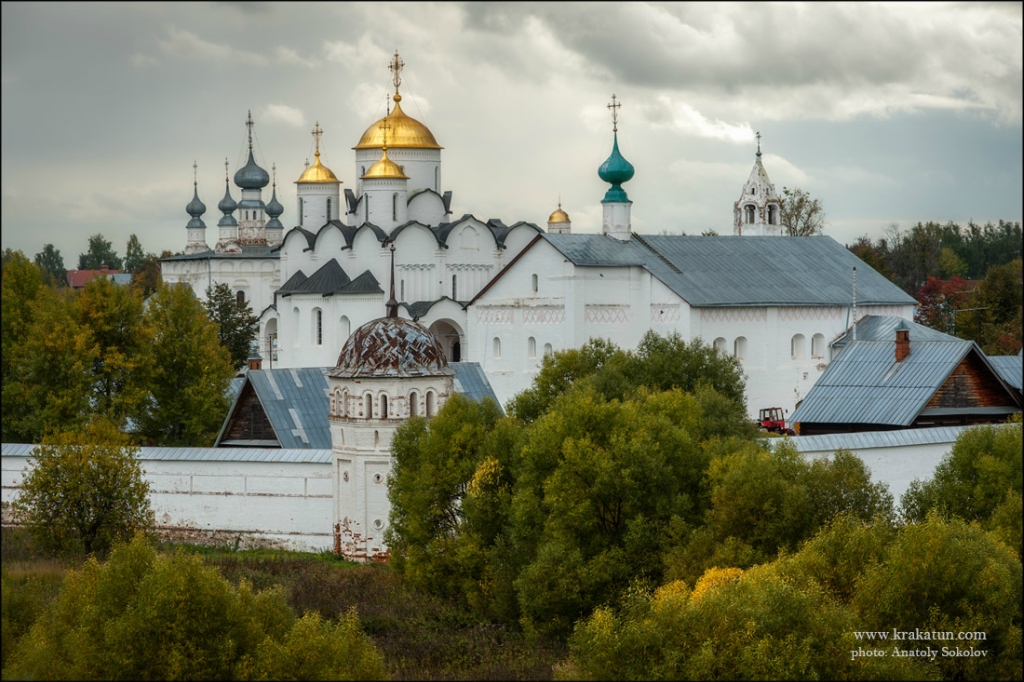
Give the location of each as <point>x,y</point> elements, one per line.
<point>902,344</point>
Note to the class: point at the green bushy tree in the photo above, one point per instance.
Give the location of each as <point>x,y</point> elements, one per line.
<point>236,323</point>
<point>101,252</point>
<point>51,264</point>
<point>142,616</point>
<point>84,490</point>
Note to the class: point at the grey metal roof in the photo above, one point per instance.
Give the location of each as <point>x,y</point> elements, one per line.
<point>365,283</point>
<point>865,384</point>
<point>248,251</point>
<point>883,328</point>
<point>329,279</point>
<point>874,439</point>
<point>293,283</point>
<point>471,381</point>
<point>1009,367</point>
<point>310,455</point>
<point>418,309</point>
<point>741,271</point>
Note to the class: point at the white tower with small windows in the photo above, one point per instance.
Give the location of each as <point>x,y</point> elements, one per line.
<point>757,212</point>
<point>390,369</point>
<point>318,192</point>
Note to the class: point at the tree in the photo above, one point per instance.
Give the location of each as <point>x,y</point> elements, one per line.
<point>118,376</point>
<point>190,370</point>
<point>236,323</point>
<point>48,383</point>
<point>974,479</point>
<point>101,252</point>
<point>134,256</point>
<point>939,300</point>
<point>51,264</point>
<point>142,616</point>
<point>85,490</point>
<point>21,284</point>
<point>146,278</point>
<point>801,216</point>
<point>995,320</point>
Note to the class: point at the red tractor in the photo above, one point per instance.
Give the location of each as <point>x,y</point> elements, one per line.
<point>772,420</point>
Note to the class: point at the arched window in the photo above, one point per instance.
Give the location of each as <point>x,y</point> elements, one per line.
<point>454,289</point>
<point>328,208</point>
<point>383,407</point>
<point>344,327</point>
<point>430,404</point>
<point>796,347</point>
<point>300,211</point>
<point>753,190</point>
<point>368,406</point>
<point>534,283</point>
<point>773,214</point>
<point>720,345</point>
<point>497,348</point>
<point>436,182</point>
<point>402,287</point>
<point>548,350</point>
<point>740,348</point>
<point>531,348</point>
<point>414,404</point>
<point>394,206</point>
<point>750,213</point>
<point>818,346</point>
<point>318,327</point>
<point>240,297</point>
<point>343,410</point>
<point>376,439</point>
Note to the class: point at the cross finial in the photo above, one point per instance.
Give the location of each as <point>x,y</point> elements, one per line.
<point>395,67</point>
<point>225,170</point>
<point>248,124</point>
<point>614,106</point>
<point>392,303</point>
<point>195,169</point>
<point>273,167</point>
<point>758,136</point>
<point>317,132</point>
<point>385,127</point>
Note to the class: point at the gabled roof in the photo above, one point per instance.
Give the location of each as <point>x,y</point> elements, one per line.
<point>293,283</point>
<point>866,385</point>
<point>883,328</point>
<point>329,279</point>
<point>1009,368</point>
<point>365,283</point>
<point>296,403</point>
<point>740,271</point>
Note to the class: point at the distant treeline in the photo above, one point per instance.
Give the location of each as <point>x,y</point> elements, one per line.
<point>909,258</point>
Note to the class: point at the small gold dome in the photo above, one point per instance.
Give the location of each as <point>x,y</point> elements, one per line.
<point>385,169</point>
<point>402,131</point>
<point>317,173</point>
<point>559,216</point>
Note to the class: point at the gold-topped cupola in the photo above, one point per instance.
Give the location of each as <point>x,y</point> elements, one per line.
<point>404,131</point>
<point>317,173</point>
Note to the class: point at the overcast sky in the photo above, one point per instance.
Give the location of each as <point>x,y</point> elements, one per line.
<point>887,113</point>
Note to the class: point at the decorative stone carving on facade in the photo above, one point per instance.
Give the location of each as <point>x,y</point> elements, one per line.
<point>601,314</point>
<point>811,314</point>
<point>550,315</point>
<point>665,314</point>
<point>716,315</point>
<point>495,315</point>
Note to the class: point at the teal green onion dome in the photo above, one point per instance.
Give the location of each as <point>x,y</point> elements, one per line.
<point>616,170</point>
<point>251,176</point>
<point>195,208</point>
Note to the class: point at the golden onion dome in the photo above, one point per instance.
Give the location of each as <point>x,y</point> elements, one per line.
<point>559,216</point>
<point>317,173</point>
<point>385,168</point>
<point>402,131</point>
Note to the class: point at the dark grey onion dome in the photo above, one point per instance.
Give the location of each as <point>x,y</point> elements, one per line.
<point>227,221</point>
<point>227,204</point>
<point>392,347</point>
<point>251,176</point>
<point>274,208</point>
<point>195,208</point>
<point>274,224</point>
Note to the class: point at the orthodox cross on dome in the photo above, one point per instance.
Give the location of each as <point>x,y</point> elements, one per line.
<point>195,170</point>
<point>758,136</point>
<point>248,124</point>
<point>614,106</point>
<point>225,169</point>
<point>384,128</point>
<point>395,67</point>
<point>392,302</point>
<point>317,132</point>
<point>273,167</point>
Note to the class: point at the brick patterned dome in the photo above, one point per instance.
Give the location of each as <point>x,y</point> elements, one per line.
<point>391,347</point>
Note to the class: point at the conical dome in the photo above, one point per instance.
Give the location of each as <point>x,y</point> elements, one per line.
<point>402,131</point>
<point>251,176</point>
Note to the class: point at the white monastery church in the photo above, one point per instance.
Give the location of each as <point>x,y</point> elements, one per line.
<point>504,295</point>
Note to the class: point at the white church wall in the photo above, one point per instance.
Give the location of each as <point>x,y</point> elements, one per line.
<point>273,504</point>
<point>427,208</point>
